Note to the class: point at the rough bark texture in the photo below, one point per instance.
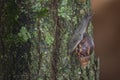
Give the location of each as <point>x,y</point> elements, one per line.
<point>38,45</point>
<point>14,55</point>
<point>56,47</point>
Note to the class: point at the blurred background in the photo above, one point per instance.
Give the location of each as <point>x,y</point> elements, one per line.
<point>106,21</point>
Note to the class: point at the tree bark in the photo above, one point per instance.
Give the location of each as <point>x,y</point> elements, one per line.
<point>56,47</point>
<point>14,54</point>
<point>38,45</point>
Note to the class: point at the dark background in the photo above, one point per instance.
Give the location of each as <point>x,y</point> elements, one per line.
<point>106,21</point>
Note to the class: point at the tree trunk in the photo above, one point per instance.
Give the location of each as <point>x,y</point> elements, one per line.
<point>14,53</point>
<point>38,45</point>
<point>56,47</point>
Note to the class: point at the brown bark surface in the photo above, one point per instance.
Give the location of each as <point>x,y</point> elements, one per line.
<point>56,47</point>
